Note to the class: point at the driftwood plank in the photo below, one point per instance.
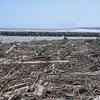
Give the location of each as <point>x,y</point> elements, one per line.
<point>37,62</point>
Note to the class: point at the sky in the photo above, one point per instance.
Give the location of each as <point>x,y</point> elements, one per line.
<point>49,13</point>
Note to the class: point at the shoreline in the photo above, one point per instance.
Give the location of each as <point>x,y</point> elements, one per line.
<point>10,39</point>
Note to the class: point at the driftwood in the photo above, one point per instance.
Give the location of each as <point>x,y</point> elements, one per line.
<point>38,90</point>
<point>71,73</point>
<point>87,73</point>
<point>17,86</point>
<point>9,73</point>
<point>97,98</point>
<point>10,50</point>
<point>36,62</point>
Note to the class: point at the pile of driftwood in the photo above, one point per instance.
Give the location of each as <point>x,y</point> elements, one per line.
<point>50,70</point>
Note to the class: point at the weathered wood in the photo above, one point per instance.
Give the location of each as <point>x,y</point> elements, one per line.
<point>17,86</point>
<point>35,62</point>
<point>10,50</point>
<point>39,62</point>
<point>9,72</point>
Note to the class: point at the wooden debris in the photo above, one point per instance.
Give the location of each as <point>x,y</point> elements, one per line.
<point>10,50</point>
<point>50,70</point>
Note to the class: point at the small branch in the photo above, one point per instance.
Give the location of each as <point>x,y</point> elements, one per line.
<point>9,50</point>
<point>9,72</point>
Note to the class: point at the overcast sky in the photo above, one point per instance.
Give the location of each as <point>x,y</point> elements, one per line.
<point>49,13</point>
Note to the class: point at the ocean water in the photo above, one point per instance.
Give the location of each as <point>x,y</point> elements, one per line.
<point>10,39</point>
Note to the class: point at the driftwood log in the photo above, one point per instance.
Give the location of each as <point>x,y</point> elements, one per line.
<point>36,62</point>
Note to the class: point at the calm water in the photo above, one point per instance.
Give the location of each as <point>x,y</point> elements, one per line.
<point>9,39</point>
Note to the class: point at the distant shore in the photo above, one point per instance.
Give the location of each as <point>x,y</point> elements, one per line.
<point>51,32</point>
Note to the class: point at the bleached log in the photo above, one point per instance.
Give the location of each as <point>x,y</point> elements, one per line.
<point>35,62</point>
<point>9,73</point>
<point>38,62</point>
<point>9,50</point>
<point>17,86</point>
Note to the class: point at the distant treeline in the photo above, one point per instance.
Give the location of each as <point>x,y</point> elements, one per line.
<point>70,34</point>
